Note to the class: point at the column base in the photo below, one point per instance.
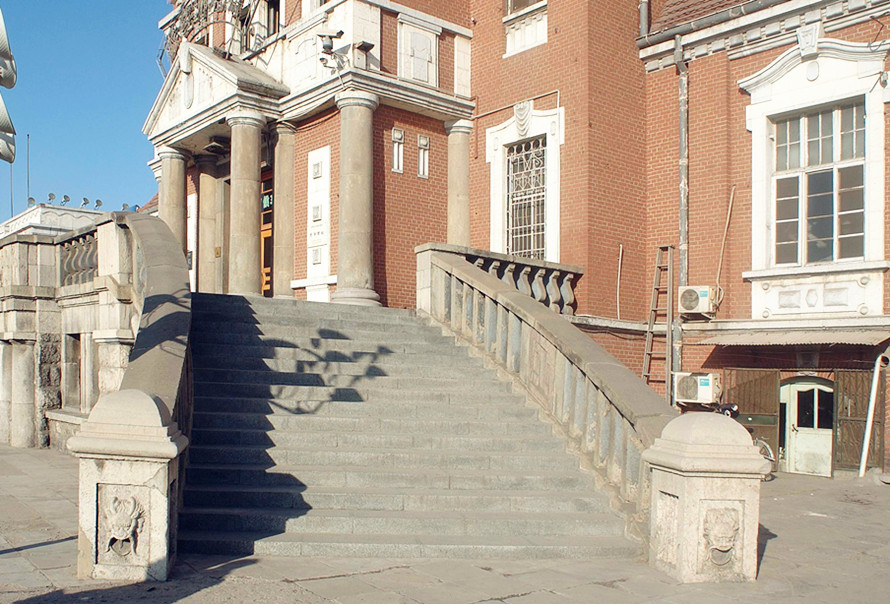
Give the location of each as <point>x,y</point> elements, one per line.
<point>358,296</point>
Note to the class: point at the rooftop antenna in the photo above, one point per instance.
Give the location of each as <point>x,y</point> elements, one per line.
<point>28,164</point>
<point>85,202</point>
<point>125,207</point>
<point>31,202</point>
<point>98,203</point>
<point>65,199</point>
<point>51,197</point>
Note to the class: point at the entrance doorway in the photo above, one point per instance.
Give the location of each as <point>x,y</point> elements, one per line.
<point>807,417</point>
<point>267,198</point>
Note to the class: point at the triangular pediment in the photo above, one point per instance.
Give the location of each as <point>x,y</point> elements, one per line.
<point>200,80</point>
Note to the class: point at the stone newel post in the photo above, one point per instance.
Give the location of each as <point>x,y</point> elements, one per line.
<point>355,260</point>
<point>705,500</point>
<point>129,469</point>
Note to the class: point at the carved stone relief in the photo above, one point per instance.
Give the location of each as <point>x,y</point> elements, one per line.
<point>721,530</point>
<point>122,524</point>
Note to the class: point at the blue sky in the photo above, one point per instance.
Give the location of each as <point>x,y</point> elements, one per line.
<point>87,76</point>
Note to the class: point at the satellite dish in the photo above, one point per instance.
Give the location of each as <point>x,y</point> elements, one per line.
<point>52,197</point>
<point>85,202</point>
<point>136,208</point>
<point>5,50</point>
<point>98,203</point>
<point>65,199</point>
<point>31,202</point>
<point>125,207</point>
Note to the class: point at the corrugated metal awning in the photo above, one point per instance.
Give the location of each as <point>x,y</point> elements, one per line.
<point>798,337</point>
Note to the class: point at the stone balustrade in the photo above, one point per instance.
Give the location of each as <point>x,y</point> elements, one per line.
<point>78,257</point>
<point>609,416</point>
<point>131,445</point>
<point>550,283</point>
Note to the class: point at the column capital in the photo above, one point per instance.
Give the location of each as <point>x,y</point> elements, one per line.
<point>246,118</point>
<point>172,153</point>
<point>459,127</point>
<point>205,161</point>
<point>353,98</point>
<point>284,128</point>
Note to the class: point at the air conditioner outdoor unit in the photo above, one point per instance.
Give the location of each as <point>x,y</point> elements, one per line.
<point>701,388</point>
<point>697,299</point>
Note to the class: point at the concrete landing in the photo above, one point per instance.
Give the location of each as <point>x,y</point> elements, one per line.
<point>822,541</point>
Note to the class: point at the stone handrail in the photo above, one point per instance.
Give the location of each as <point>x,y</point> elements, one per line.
<point>609,415</point>
<point>550,283</point>
<point>78,258</point>
<point>131,446</point>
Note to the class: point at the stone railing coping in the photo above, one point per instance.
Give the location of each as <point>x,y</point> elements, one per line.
<point>461,250</point>
<point>639,404</point>
<point>158,354</point>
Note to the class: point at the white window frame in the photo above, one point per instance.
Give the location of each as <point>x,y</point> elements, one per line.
<point>423,156</point>
<point>398,150</point>
<point>521,126</point>
<point>803,170</point>
<point>838,72</point>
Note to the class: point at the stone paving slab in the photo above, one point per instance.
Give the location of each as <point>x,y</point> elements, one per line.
<point>821,540</point>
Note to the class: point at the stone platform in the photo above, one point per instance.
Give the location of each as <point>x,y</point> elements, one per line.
<point>821,541</point>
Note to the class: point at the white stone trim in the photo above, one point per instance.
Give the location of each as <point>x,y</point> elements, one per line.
<point>525,29</point>
<point>550,123</point>
<point>301,283</point>
<point>833,72</point>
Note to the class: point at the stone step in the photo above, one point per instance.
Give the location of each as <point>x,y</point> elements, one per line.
<point>401,522</point>
<point>409,500</point>
<point>409,546</point>
<point>275,323</point>
<point>316,339</point>
<point>329,350</point>
<point>373,379</point>
<point>239,306</point>
<point>429,365</point>
<point>364,440</point>
<point>386,425</point>
<point>382,458</point>
<point>470,409</point>
<point>399,478</point>
<point>362,391</point>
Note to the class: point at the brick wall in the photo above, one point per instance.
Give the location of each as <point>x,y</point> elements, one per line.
<point>408,210</point>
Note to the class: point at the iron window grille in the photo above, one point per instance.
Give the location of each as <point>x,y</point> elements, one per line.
<point>526,192</point>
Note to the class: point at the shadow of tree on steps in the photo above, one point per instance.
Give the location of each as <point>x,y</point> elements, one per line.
<point>258,376</point>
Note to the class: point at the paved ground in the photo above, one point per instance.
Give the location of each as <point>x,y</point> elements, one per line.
<point>822,541</point>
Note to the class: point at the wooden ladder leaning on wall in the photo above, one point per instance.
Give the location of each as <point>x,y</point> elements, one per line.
<point>661,307</point>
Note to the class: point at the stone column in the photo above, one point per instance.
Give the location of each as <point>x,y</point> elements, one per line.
<point>459,181</point>
<point>355,259</point>
<point>22,410</point>
<point>283,211</point>
<point>171,196</point>
<point>245,276</point>
<point>207,243</point>
<point>5,390</point>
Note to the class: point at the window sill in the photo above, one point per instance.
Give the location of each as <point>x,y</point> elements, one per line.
<point>816,270</point>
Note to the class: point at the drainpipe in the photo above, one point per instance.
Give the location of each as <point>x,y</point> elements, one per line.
<point>644,18</point>
<point>683,90</point>
<point>683,164</point>
<point>881,361</point>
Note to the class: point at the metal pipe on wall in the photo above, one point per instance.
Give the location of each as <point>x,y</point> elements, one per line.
<point>644,18</point>
<point>683,162</point>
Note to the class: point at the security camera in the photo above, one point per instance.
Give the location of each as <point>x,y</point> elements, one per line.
<point>327,39</point>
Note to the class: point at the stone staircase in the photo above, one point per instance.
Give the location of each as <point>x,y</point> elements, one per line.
<point>329,430</point>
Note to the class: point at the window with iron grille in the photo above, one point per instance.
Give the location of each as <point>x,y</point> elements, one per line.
<point>526,190</point>
<point>819,186</point>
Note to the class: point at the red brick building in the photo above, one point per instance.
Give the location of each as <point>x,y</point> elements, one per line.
<point>305,147</point>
